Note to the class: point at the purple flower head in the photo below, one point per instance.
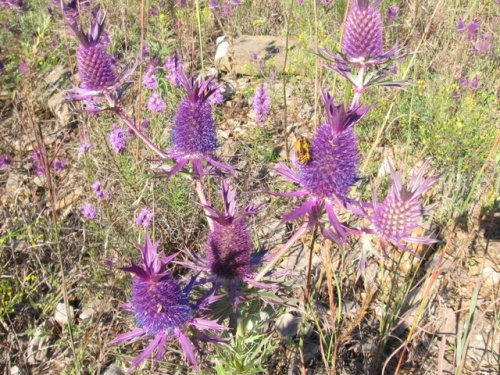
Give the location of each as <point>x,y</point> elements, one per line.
<point>461,26</point>
<point>329,170</point>
<point>397,216</point>
<point>229,253</point>
<point>483,46</point>
<point>175,67</point>
<point>155,103</point>
<point>474,83</point>
<point>4,162</point>
<point>88,211</point>
<point>462,82</point>
<point>23,67</point>
<point>36,157</point>
<point>212,4</point>
<point>299,2</point>
<point>94,64</point>
<point>144,218</point>
<point>60,164</point>
<point>117,139</point>
<point>148,79</point>
<point>261,104</point>
<point>83,148</point>
<point>193,132</point>
<point>392,12</point>
<point>161,307</point>
<point>153,11</point>
<point>97,189</point>
<point>362,37</point>
<point>472,29</point>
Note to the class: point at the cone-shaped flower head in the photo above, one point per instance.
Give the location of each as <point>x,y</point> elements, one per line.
<point>193,133</point>
<point>194,127</point>
<point>229,246</point>
<point>398,215</point>
<point>327,167</point>
<point>94,64</point>
<point>362,31</point>
<point>160,306</point>
<point>332,166</point>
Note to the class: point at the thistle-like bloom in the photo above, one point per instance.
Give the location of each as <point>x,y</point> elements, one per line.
<point>362,48</point>
<point>193,132</point>
<point>229,253</point>
<point>362,36</point>
<point>161,307</point>
<point>328,170</point>
<point>261,104</point>
<point>392,12</point>
<point>398,215</point>
<point>88,211</point>
<point>144,218</point>
<point>95,65</point>
<point>117,139</point>
<point>60,164</point>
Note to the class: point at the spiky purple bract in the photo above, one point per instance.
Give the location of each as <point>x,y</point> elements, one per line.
<point>398,215</point>
<point>161,307</point>
<point>362,36</point>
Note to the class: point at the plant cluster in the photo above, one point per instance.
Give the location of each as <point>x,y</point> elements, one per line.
<point>325,170</point>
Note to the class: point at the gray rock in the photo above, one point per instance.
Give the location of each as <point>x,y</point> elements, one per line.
<point>61,316</point>
<point>236,57</point>
<point>287,325</point>
<point>113,370</point>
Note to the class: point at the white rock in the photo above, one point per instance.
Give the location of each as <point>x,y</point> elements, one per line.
<point>61,316</point>
<point>490,276</point>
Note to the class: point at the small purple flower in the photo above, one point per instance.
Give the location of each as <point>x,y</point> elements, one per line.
<point>472,30</point>
<point>462,82</point>
<point>299,2</point>
<point>4,162</point>
<point>212,4</point>
<point>261,104</point>
<point>155,103</point>
<point>36,157</point>
<point>397,216</point>
<point>162,308</point>
<point>330,170</point>
<point>97,189</point>
<point>23,67</point>
<point>461,26</point>
<point>83,148</point>
<point>148,79</point>
<point>392,12</point>
<point>117,139</point>
<point>483,46</point>
<point>153,11</point>
<point>175,67</point>
<point>144,218</point>
<point>474,83</point>
<point>88,211</point>
<point>59,164</point>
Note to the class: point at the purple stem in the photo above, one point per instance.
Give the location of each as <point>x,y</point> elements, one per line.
<point>203,200</point>
<point>279,254</point>
<point>139,134</point>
